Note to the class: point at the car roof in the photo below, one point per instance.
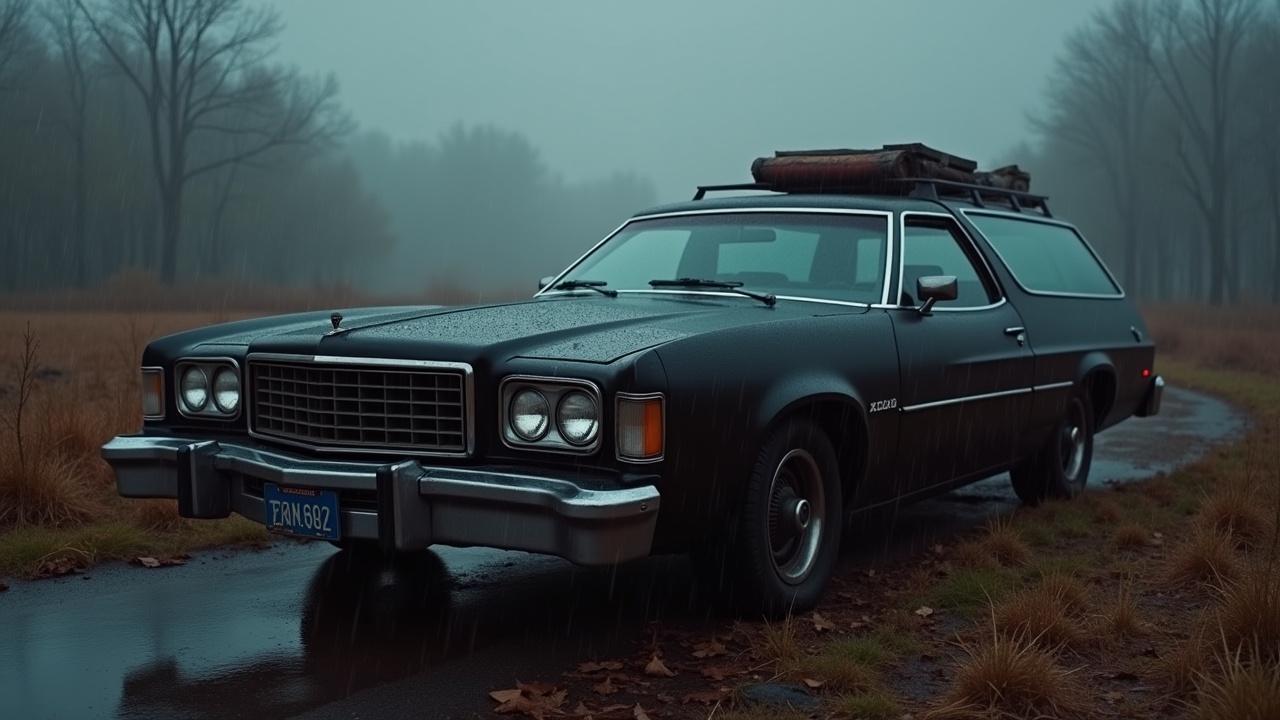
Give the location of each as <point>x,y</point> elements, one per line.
<point>791,201</point>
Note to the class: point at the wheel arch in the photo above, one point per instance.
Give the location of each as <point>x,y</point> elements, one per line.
<point>1096,377</point>
<point>837,410</point>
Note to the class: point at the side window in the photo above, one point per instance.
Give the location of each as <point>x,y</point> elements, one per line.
<point>1044,257</point>
<point>935,247</point>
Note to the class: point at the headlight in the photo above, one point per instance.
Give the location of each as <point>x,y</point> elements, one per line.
<point>195,389</point>
<point>530,415</point>
<point>226,390</point>
<point>577,418</point>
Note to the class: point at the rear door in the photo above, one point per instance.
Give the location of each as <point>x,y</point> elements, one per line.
<point>966,369</point>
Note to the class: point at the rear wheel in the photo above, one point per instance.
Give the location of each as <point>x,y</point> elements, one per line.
<point>1060,468</point>
<point>784,541</point>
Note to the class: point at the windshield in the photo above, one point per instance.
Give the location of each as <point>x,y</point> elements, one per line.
<point>824,256</point>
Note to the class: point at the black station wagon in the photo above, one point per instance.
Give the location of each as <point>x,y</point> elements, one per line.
<point>732,378</point>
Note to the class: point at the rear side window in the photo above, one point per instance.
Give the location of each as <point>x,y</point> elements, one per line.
<point>1045,257</point>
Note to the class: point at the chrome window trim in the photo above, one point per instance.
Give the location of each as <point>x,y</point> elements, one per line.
<point>469,402</point>
<point>902,232</point>
<point>966,398</point>
<point>159,370</point>
<point>1053,386</point>
<point>617,400</point>
<point>539,382</point>
<point>888,232</point>
<point>1057,223</point>
<point>721,293</point>
<point>217,415</point>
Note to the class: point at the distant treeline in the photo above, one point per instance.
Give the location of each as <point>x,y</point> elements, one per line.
<point>1161,138</point>
<point>161,137</point>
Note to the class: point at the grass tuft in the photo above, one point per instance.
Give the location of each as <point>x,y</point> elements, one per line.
<point>869,705</point>
<point>968,591</point>
<point>1234,511</point>
<point>1010,677</point>
<point>1208,556</point>
<point>1130,536</point>
<point>1046,613</point>
<point>1241,689</point>
<point>1249,618</point>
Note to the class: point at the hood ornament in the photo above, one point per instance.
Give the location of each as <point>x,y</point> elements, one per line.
<point>336,319</point>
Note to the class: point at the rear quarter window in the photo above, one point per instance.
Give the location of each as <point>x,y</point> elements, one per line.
<point>1044,257</point>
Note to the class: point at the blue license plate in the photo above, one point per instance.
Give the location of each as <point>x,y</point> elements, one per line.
<point>303,512</point>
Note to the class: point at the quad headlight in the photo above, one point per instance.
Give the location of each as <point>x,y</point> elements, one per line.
<point>530,415</point>
<point>208,388</point>
<point>550,414</point>
<point>578,418</point>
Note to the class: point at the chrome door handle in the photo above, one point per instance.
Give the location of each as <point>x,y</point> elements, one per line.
<point>1014,330</point>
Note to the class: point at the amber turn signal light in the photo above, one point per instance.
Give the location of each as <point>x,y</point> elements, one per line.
<point>640,428</point>
<point>152,393</point>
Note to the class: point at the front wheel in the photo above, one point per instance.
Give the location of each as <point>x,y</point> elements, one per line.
<point>784,542</point>
<point>1060,468</point>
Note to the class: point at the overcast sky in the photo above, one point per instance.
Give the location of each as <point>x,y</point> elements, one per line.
<point>688,92</point>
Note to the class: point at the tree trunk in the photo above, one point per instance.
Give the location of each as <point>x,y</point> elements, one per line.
<point>80,248</point>
<point>1275,241</point>
<point>171,231</point>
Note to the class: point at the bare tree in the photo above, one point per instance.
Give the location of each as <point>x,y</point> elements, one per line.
<point>1098,101</point>
<point>70,37</point>
<point>200,67</point>
<point>1265,107</point>
<point>13,21</point>
<point>1197,64</point>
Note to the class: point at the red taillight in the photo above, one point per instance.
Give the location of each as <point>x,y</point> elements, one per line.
<point>1146,372</point>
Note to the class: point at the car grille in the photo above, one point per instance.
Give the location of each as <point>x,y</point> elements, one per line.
<point>361,407</point>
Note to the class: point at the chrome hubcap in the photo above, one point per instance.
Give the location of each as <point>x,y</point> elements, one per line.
<point>796,509</point>
<point>1073,444</point>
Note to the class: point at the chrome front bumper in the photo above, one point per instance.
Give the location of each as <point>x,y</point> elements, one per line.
<point>407,506</point>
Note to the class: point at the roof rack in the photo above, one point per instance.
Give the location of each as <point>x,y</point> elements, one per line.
<point>912,169</point>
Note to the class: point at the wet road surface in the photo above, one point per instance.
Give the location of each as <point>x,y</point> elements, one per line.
<point>301,630</point>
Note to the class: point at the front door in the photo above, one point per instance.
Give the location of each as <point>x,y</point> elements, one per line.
<point>966,368</point>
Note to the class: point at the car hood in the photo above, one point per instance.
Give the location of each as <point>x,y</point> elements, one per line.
<point>599,330</point>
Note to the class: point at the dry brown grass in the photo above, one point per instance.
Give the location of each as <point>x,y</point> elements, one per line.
<point>1105,510</point>
<point>1207,556</point>
<point>1047,614</point>
<point>1249,618</point>
<point>1244,687</point>
<point>1235,510</point>
<point>1130,536</point>
<point>1121,618</point>
<point>1011,677</point>
<point>1238,339</point>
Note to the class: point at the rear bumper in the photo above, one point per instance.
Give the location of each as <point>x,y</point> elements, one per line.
<point>404,505</point>
<point>1151,401</point>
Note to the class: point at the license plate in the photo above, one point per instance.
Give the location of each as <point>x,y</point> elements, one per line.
<point>303,512</point>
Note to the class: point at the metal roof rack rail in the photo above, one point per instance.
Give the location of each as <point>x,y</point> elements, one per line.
<point>704,189</point>
<point>927,188</point>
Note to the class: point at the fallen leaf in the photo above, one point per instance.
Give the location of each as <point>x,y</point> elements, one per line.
<point>148,562</point>
<point>504,695</point>
<point>537,688</point>
<point>665,699</point>
<point>814,684</point>
<point>656,668</point>
<point>709,649</point>
<point>605,688</point>
<point>705,697</point>
<point>924,611</point>
<point>590,667</point>
<point>581,709</point>
<point>820,623</point>
<point>638,713</point>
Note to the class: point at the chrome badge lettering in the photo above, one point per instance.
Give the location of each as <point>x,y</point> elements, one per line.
<point>879,405</point>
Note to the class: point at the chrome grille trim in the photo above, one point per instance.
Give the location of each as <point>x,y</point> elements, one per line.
<point>344,405</point>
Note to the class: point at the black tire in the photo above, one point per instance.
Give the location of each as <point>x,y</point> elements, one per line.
<point>1060,468</point>
<point>764,566</point>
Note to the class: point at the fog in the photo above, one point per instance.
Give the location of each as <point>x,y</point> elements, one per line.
<point>688,93</point>
<point>459,150</point>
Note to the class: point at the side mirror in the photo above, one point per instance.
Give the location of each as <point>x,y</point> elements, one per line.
<point>544,282</point>
<point>934,288</point>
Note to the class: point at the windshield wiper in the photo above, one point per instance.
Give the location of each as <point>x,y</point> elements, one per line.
<point>732,286</point>
<point>597,285</point>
